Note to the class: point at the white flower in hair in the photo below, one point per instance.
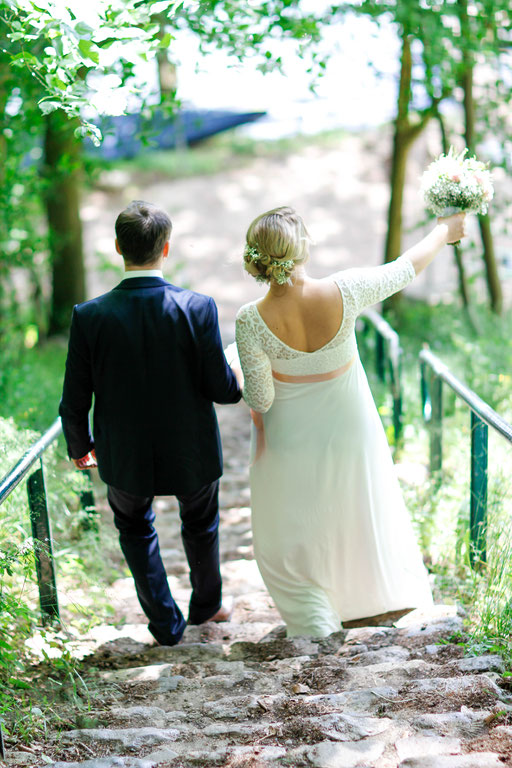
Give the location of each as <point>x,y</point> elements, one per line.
<point>277,270</point>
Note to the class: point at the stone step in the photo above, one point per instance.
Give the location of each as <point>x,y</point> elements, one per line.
<point>476,760</point>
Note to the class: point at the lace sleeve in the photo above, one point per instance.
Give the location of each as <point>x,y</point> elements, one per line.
<point>369,285</point>
<point>258,383</point>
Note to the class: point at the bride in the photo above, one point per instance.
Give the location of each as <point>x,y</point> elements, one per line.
<point>332,538</point>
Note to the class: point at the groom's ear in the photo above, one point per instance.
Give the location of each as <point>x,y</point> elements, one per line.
<point>165,251</point>
<point>118,248</point>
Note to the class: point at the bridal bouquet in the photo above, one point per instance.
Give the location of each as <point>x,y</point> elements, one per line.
<point>455,183</point>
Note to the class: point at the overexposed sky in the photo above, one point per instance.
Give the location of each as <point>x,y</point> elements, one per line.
<point>350,94</point>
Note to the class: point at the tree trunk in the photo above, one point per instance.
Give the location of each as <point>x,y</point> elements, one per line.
<point>62,168</point>
<point>463,284</point>
<point>5,293</point>
<point>167,73</point>
<point>484,222</point>
<point>167,77</point>
<point>402,141</point>
<point>491,267</point>
<point>399,159</point>
<point>398,171</point>
<point>4,94</point>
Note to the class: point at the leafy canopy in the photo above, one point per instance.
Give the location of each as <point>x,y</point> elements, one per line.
<point>74,52</point>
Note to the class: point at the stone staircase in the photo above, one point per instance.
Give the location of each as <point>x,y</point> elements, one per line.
<point>242,695</point>
<point>375,697</point>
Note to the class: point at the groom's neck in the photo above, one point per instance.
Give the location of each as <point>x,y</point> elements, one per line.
<point>143,267</point>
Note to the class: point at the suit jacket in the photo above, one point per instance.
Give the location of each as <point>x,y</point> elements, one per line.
<point>151,354</point>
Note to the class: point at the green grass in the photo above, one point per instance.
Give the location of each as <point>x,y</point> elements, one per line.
<point>31,389</point>
<point>32,386</point>
<point>440,506</point>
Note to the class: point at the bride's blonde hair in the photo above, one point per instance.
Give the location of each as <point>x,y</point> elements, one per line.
<point>276,241</point>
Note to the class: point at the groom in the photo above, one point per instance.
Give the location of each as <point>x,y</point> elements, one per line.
<point>151,354</point>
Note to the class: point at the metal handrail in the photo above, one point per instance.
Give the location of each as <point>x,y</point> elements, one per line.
<point>41,532</point>
<point>18,472</point>
<point>39,519</point>
<point>482,417</point>
<point>388,341</point>
<point>479,406</point>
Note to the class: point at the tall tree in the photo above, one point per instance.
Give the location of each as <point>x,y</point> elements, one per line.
<point>424,48</point>
<point>463,283</point>
<point>447,39</point>
<point>468,38</point>
<point>63,175</point>
<point>51,45</point>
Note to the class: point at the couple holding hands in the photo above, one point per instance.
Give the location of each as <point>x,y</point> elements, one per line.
<point>332,538</point>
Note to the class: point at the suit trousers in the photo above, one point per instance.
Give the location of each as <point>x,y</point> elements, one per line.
<point>199,512</point>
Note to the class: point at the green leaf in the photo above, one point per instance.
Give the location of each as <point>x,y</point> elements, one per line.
<point>90,130</point>
<point>49,106</point>
<point>166,40</point>
<point>83,29</point>
<point>160,6</point>
<point>86,48</point>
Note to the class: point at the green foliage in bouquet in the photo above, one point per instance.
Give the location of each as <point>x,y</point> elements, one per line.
<point>455,183</point>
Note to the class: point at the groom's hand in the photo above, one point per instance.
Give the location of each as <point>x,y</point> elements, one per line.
<point>86,462</point>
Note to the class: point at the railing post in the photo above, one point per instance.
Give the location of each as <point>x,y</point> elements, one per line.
<point>426,405</point>
<point>43,546</point>
<point>379,355</point>
<point>88,505</point>
<point>395,371</point>
<point>436,423</point>
<point>478,502</point>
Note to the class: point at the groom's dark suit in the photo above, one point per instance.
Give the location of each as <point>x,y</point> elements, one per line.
<point>151,354</point>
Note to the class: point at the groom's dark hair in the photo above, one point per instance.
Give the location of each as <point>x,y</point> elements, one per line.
<point>142,230</point>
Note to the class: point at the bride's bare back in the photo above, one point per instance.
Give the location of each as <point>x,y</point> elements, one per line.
<point>306,315</point>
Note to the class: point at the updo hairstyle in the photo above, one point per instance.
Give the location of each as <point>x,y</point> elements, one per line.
<point>276,242</point>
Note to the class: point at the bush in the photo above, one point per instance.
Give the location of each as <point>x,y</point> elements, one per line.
<point>440,506</point>
<point>78,561</point>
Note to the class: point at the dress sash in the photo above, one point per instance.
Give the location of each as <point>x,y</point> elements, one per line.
<point>257,417</point>
<point>313,377</point>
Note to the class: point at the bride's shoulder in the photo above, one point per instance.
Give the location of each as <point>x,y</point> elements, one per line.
<point>342,274</point>
<point>341,278</point>
<point>246,311</point>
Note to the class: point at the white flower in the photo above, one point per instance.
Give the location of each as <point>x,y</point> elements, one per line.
<point>455,182</point>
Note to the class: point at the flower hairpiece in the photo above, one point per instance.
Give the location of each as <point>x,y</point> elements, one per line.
<point>280,270</point>
<point>251,254</point>
<point>277,270</point>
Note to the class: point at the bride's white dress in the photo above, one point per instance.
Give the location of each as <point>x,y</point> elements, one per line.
<point>332,538</point>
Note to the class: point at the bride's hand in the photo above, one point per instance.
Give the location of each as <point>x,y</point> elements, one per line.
<point>455,227</point>
<point>237,370</point>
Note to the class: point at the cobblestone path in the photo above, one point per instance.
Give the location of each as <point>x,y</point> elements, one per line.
<point>241,695</point>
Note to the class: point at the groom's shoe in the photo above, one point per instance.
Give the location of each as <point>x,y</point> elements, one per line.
<point>223,614</point>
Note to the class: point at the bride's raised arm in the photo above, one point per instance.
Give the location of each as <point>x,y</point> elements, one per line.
<point>448,230</point>
<point>364,286</point>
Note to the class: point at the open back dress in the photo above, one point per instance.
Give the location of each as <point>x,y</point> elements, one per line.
<point>332,537</point>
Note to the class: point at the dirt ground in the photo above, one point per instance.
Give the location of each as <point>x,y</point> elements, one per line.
<point>341,191</point>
